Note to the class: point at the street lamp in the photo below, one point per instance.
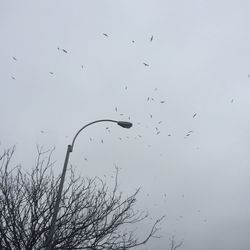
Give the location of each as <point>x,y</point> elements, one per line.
<point>123,124</point>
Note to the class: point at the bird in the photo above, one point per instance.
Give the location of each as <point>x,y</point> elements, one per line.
<point>121,114</point>
<point>13,78</point>
<point>162,101</point>
<point>148,98</point>
<point>51,72</point>
<point>82,66</point>
<point>58,48</point>
<point>156,89</point>
<point>249,75</point>
<point>85,159</point>
<point>105,34</point>
<point>115,109</point>
<point>145,64</point>
<point>65,51</point>
<point>187,134</point>
<point>133,41</point>
<point>42,131</point>
<point>151,38</point>
<point>158,132</point>
<point>194,115</point>
<point>232,100</point>
<point>14,58</point>
<point>151,116</point>
<point>169,134</point>
<point>101,140</point>
<point>159,122</point>
<point>90,138</point>
<point>126,87</point>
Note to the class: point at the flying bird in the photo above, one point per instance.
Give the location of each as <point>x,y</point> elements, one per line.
<point>85,159</point>
<point>232,100</point>
<point>65,51</point>
<point>13,78</point>
<point>14,58</point>
<point>145,64</point>
<point>249,75</point>
<point>162,101</point>
<point>115,109</point>
<point>159,122</point>
<point>148,98</point>
<point>102,141</point>
<point>126,87</point>
<point>105,34</point>
<point>82,66</point>
<point>151,116</point>
<point>41,131</point>
<point>194,115</point>
<point>133,41</point>
<point>51,72</point>
<point>151,38</point>
<point>158,132</point>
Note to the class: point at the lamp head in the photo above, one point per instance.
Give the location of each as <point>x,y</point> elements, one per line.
<point>125,124</point>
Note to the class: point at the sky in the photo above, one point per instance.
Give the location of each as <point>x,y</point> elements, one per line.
<point>188,148</point>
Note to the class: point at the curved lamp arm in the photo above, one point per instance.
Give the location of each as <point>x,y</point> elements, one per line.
<point>103,120</point>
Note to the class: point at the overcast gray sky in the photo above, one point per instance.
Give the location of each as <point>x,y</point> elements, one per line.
<point>199,61</point>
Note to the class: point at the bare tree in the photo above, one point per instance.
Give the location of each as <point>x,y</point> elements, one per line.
<point>92,216</point>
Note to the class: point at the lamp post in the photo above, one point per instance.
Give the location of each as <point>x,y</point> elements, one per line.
<point>49,239</point>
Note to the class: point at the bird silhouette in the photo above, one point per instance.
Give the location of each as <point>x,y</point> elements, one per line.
<point>115,109</point>
<point>162,101</point>
<point>14,58</point>
<point>105,34</point>
<point>51,72</point>
<point>133,41</point>
<point>42,131</point>
<point>13,78</point>
<point>194,115</point>
<point>126,87</point>
<point>151,38</point>
<point>232,100</point>
<point>82,66</point>
<point>65,51</point>
<point>145,64</point>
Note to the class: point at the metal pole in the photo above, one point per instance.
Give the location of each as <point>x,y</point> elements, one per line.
<point>49,239</point>
<point>58,199</point>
